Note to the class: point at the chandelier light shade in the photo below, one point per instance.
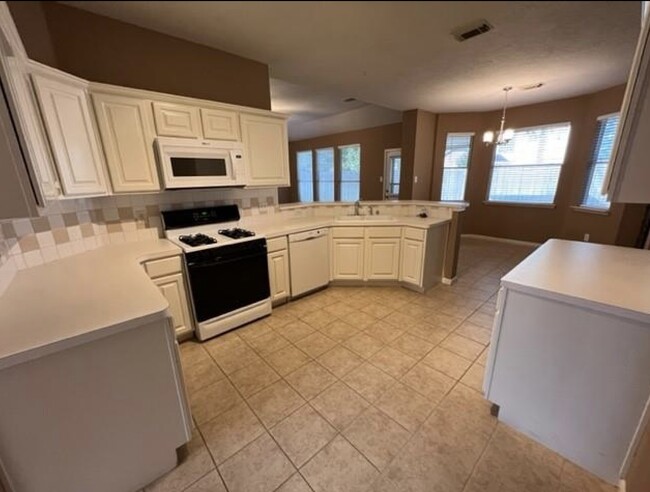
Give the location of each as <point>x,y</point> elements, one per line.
<point>505,134</point>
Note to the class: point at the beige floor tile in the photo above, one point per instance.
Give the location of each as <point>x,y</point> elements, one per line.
<point>226,342</point>
<point>254,330</point>
<point>254,378</point>
<point>482,359</point>
<point>193,353</point>
<point>231,431</point>
<point>295,484</point>
<point>363,344</point>
<point>400,320</point>
<point>359,319</point>
<point>209,483</point>
<point>195,465</point>
<point>575,479</point>
<point>296,330</point>
<point>417,311</point>
<point>287,359</point>
<point>378,437</point>
<point>447,362</point>
<point>512,463</point>
<point>339,309</point>
<point>212,400</point>
<point>369,381</point>
<point>405,406</point>
<point>235,358</point>
<point>315,344</point>
<point>392,361</point>
<point>383,484</point>
<point>384,332</point>
<point>431,333</point>
<point>310,379</point>
<point>428,382</point>
<point>339,361</point>
<point>318,319</point>
<point>302,434</point>
<point>474,377</point>
<point>339,404</point>
<point>462,346</point>
<point>377,309</point>
<point>474,332</point>
<point>483,318</point>
<point>412,345</point>
<point>279,317</point>
<point>268,343</point>
<point>259,467</point>
<point>201,374</point>
<point>339,330</point>
<point>444,321</point>
<point>339,467</point>
<point>274,403</point>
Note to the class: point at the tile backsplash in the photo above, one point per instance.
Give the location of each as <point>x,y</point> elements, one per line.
<point>68,227</point>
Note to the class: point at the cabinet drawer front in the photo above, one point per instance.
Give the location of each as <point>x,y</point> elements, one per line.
<point>220,124</point>
<point>413,233</point>
<point>276,244</point>
<point>166,266</point>
<point>176,120</point>
<point>383,231</point>
<point>347,232</point>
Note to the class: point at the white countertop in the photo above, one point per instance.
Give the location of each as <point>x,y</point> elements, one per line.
<point>606,278</point>
<point>80,298</point>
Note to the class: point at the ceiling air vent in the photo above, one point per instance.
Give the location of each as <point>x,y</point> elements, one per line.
<point>469,31</point>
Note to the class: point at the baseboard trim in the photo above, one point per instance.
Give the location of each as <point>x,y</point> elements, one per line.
<point>500,239</point>
<point>449,281</point>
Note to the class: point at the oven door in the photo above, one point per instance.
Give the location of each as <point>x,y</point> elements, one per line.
<point>228,278</point>
<point>190,163</point>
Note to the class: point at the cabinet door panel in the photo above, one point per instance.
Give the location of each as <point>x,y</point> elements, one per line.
<point>412,261</point>
<point>382,259</point>
<point>74,143</point>
<point>126,127</point>
<point>347,261</point>
<point>279,275</point>
<point>176,120</point>
<point>220,124</point>
<point>267,152</point>
<point>173,288</point>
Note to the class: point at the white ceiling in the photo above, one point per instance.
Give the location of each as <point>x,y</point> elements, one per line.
<point>400,55</point>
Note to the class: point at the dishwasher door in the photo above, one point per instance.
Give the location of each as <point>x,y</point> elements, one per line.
<point>309,258</point>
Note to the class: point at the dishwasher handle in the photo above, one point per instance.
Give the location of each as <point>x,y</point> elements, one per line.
<point>307,235</point>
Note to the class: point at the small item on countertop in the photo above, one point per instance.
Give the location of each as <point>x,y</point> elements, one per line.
<point>423,213</point>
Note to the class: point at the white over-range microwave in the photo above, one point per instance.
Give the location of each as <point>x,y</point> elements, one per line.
<point>196,163</point>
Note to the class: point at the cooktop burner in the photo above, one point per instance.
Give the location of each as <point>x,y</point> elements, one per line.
<point>197,239</point>
<point>236,233</point>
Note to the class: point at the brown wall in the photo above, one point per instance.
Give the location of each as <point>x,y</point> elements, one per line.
<point>101,49</point>
<point>373,142</point>
<point>535,223</point>
<point>638,476</point>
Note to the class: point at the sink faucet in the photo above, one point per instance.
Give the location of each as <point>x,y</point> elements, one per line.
<point>356,207</point>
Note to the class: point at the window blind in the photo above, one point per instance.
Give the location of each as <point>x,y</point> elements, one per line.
<point>325,174</point>
<point>305,176</point>
<point>601,153</point>
<point>350,180</point>
<point>527,168</point>
<point>455,167</point>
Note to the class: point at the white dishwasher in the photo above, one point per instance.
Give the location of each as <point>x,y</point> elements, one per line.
<point>309,258</point>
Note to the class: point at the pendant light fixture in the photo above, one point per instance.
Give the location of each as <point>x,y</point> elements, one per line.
<point>505,134</point>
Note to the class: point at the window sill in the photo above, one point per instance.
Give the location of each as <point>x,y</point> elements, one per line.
<point>590,210</point>
<point>520,204</point>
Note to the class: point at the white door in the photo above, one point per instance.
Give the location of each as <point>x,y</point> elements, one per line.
<point>220,124</point>
<point>411,264</point>
<point>267,150</point>
<point>173,288</point>
<point>347,259</point>
<point>382,259</point>
<point>73,139</point>
<point>392,171</point>
<point>176,120</point>
<point>279,275</point>
<point>126,128</point>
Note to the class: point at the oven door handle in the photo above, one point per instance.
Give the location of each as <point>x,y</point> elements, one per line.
<point>224,262</point>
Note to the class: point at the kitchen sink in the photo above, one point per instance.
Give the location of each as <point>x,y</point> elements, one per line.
<point>365,218</point>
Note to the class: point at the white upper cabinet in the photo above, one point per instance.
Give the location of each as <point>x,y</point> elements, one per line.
<point>176,120</point>
<point>267,149</point>
<point>73,139</point>
<point>127,130</point>
<point>220,124</point>
<point>628,176</point>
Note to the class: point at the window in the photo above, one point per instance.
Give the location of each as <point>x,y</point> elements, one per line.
<point>305,176</point>
<point>600,155</point>
<point>325,175</point>
<point>392,172</point>
<point>454,173</point>
<point>527,168</point>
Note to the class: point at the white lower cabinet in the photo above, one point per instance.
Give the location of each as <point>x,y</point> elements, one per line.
<point>279,275</point>
<point>382,259</point>
<point>411,261</point>
<point>173,288</point>
<point>347,258</point>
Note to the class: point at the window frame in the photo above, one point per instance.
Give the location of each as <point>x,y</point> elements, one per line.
<point>552,204</point>
<point>298,182</point>
<point>336,150</point>
<point>338,171</point>
<point>469,161</point>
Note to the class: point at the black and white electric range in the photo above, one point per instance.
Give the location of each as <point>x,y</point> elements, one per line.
<point>226,266</point>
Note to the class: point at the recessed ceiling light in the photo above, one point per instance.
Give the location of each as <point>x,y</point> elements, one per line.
<point>349,99</point>
<point>532,86</point>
